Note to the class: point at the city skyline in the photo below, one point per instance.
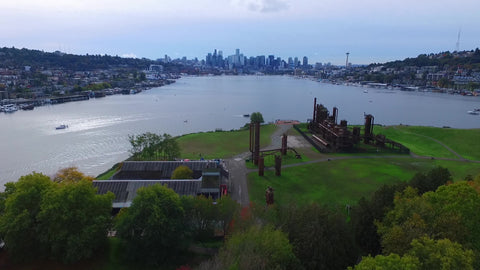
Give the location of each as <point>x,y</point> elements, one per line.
<point>323,31</point>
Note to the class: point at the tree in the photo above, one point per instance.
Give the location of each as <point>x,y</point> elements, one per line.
<point>320,237</point>
<point>256,248</point>
<point>19,226</point>
<point>450,212</point>
<point>74,220</point>
<point>366,212</point>
<point>256,117</point>
<point>70,174</point>
<point>432,180</point>
<point>227,210</point>
<point>441,254</point>
<point>424,254</point>
<point>200,216</point>
<point>153,227</point>
<point>151,146</point>
<point>182,172</point>
<point>390,262</point>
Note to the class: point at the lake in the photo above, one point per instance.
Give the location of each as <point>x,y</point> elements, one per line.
<point>98,129</point>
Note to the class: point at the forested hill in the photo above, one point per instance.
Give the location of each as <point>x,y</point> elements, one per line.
<point>467,59</point>
<point>18,58</point>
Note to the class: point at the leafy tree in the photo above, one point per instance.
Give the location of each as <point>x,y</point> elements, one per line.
<point>200,216</point>
<point>182,172</point>
<point>256,117</point>
<point>321,238</point>
<point>441,254</point>
<point>151,146</point>
<point>424,254</point>
<point>390,262</point>
<point>74,220</point>
<point>70,174</point>
<point>227,210</point>
<point>153,227</point>
<point>19,226</point>
<point>256,248</point>
<point>450,212</point>
<point>170,147</point>
<point>432,180</point>
<point>364,214</point>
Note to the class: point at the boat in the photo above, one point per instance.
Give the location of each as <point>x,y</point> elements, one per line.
<point>28,107</point>
<point>62,126</point>
<point>246,115</point>
<point>365,91</point>
<point>473,112</point>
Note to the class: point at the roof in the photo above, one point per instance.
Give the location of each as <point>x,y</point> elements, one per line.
<point>126,190</point>
<point>154,170</point>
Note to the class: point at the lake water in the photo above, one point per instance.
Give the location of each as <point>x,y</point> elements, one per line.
<point>97,136</point>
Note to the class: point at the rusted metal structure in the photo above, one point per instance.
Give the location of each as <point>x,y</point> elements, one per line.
<point>278,165</point>
<point>261,166</point>
<point>337,137</point>
<point>368,132</point>
<point>269,196</point>
<point>255,141</point>
<point>284,145</point>
<point>328,133</point>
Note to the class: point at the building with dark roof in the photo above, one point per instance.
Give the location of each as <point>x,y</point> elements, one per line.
<point>207,178</point>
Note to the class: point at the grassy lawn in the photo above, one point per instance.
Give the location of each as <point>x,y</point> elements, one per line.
<point>345,181</point>
<point>462,141</point>
<point>222,144</point>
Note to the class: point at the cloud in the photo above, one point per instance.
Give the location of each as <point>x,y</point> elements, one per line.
<point>263,6</point>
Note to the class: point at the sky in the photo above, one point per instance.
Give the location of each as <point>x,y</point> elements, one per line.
<point>372,31</point>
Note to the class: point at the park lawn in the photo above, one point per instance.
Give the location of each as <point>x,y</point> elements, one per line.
<point>462,141</point>
<point>221,144</point>
<point>345,181</point>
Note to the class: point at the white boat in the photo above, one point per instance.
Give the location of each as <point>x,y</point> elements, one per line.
<point>473,112</point>
<point>62,126</point>
<point>365,91</point>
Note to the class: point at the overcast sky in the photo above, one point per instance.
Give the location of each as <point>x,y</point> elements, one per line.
<point>322,30</point>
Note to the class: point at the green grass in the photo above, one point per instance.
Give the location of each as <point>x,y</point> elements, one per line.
<point>345,181</point>
<point>223,144</point>
<point>462,141</point>
<point>108,174</point>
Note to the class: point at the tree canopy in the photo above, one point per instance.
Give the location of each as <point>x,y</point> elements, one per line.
<point>257,248</point>
<point>151,146</point>
<point>182,172</point>
<point>256,117</point>
<point>424,254</point>
<point>153,226</point>
<point>450,212</point>
<point>64,221</point>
